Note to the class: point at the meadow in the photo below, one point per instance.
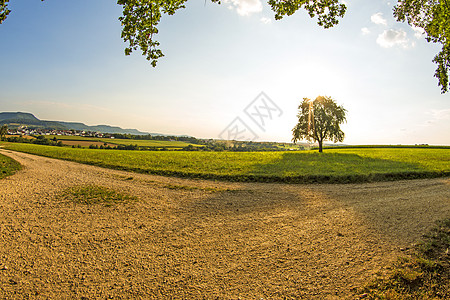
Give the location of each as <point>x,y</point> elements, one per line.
<point>332,166</point>
<point>85,141</point>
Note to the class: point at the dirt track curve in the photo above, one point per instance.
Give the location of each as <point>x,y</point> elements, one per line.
<point>192,239</point>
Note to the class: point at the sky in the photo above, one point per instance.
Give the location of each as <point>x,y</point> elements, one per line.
<point>228,68</point>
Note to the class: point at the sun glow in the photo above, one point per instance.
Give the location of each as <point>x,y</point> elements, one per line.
<point>311,115</point>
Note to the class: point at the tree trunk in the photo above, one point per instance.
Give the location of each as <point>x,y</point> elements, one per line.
<point>320,146</point>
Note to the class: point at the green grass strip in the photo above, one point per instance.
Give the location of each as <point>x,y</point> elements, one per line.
<point>93,194</point>
<point>8,166</point>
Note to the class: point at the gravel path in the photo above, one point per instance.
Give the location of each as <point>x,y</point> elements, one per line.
<point>193,239</point>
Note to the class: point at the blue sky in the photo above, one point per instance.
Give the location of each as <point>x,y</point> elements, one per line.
<point>64,60</point>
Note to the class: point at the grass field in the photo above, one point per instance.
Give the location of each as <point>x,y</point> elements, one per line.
<point>144,143</point>
<point>334,165</point>
<point>8,166</point>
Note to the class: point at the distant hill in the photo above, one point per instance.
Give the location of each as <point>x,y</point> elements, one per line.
<point>16,119</point>
<point>17,116</point>
<point>102,128</point>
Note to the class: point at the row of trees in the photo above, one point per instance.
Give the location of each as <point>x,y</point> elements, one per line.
<point>188,139</point>
<point>40,140</point>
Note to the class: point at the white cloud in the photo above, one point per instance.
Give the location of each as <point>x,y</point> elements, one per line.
<point>391,37</point>
<point>378,19</point>
<point>418,32</point>
<point>365,31</point>
<point>246,7</point>
<point>440,114</point>
<point>265,20</point>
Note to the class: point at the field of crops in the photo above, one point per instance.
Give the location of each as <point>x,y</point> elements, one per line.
<point>145,143</point>
<point>334,165</point>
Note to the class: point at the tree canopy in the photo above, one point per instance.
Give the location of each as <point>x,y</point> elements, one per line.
<point>433,16</point>
<point>319,120</point>
<point>140,21</point>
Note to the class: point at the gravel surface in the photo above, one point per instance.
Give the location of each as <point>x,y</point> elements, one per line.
<point>193,239</point>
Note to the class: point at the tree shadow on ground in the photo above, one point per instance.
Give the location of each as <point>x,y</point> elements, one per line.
<point>312,240</point>
<point>336,168</point>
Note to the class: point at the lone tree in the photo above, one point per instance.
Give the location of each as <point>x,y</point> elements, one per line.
<point>319,120</point>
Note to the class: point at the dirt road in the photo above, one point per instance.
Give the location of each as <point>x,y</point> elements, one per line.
<point>192,239</point>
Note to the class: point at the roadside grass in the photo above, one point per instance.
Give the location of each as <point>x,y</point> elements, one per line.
<point>425,274</point>
<point>93,194</point>
<point>192,188</point>
<point>8,166</point>
<point>332,166</point>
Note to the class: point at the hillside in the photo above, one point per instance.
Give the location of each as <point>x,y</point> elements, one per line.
<point>16,119</point>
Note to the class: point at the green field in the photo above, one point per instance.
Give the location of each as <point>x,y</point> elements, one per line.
<point>143,143</point>
<point>334,165</point>
<point>8,166</point>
